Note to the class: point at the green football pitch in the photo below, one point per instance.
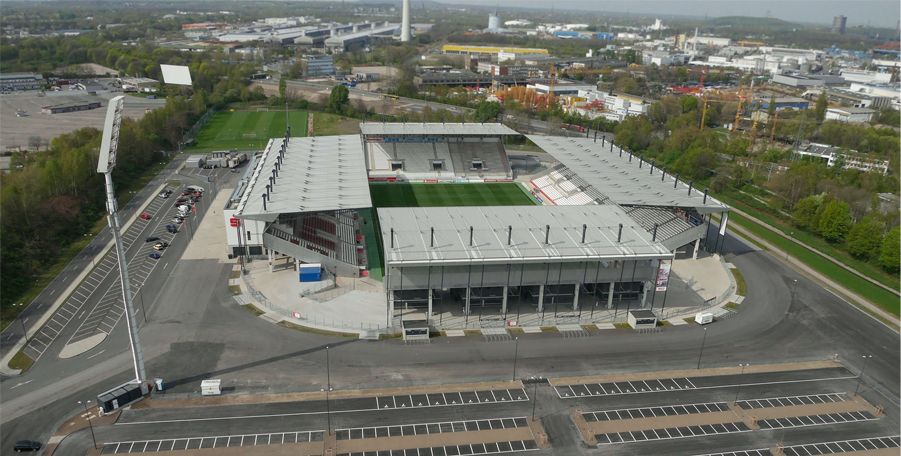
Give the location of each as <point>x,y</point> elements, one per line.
<point>430,195</point>
<point>247,129</point>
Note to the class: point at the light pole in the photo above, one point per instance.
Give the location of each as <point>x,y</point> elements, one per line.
<point>515,355</point>
<point>534,395</point>
<point>740,376</point>
<point>866,359</point>
<point>328,388</point>
<point>90,423</point>
<point>109,145</point>
<point>701,351</point>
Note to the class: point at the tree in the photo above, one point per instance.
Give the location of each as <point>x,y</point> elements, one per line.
<point>889,256</point>
<point>865,237</point>
<point>283,86</point>
<point>805,214</point>
<point>338,99</point>
<point>835,221</point>
<point>487,110</point>
<point>820,108</point>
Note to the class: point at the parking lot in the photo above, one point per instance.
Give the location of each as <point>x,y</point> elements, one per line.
<point>96,303</point>
<point>799,412</point>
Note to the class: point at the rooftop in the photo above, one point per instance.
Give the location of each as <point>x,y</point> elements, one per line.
<point>435,128</point>
<point>316,174</point>
<point>614,174</point>
<point>413,245</point>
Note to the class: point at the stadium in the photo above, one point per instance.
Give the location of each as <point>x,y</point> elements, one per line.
<point>443,216</point>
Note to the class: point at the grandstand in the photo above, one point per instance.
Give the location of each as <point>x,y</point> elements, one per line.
<point>457,231</point>
<point>435,152</point>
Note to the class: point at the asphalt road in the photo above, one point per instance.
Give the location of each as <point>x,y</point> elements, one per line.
<point>14,332</point>
<point>197,332</point>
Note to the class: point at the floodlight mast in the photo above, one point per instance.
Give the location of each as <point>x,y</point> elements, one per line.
<point>108,147</point>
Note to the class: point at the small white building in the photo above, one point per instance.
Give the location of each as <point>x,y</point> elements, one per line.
<point>850,115</point>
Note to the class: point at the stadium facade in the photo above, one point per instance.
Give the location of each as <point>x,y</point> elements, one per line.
<point>604,227</point>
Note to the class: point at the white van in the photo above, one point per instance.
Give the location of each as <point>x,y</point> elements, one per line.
<point>702,318</point>
<point>195,188</point>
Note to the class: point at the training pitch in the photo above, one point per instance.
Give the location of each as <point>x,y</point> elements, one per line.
<point>248,129</point>
<point>432,195</point>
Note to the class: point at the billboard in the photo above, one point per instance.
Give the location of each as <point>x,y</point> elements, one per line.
<point>176,74</point>
<point>663,274</point>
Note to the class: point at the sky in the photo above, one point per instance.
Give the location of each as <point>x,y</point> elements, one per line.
<point>884,13</point>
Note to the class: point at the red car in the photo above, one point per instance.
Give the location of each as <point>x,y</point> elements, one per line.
<point>145,216</point>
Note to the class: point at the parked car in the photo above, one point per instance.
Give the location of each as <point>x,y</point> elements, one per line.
<point>26,445</point>
<point>146,216</point>
<point>194,188</point>
<point>172,228</point>
<point>152,239</point>
<point>160,246</point>
<point>165,193</point>
<point>155,255</point>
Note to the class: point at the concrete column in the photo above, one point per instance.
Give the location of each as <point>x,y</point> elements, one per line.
<point>468,293</point>
<point>504,301</point>
<point>269,251</point>
<point>610,297</point>
<point>644,293</point>
<point>391,307</point>
<point>296,264</point>
<point>694,256</point>
<point>576,298</point>
<point>428,316</point>
<point>540,298</point>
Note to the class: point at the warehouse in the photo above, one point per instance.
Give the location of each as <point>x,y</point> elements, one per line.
<point>70,107</point>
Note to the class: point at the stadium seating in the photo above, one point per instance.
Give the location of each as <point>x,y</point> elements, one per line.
<point>456,156</point>
<point>668,223</point>
<point>563,187</point>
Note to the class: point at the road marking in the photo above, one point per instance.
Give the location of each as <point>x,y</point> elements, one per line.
<point>166,265</point>
<point>734,385</point>
<point>82,314</point>
<point>96,354</point>
<point>20,384</point>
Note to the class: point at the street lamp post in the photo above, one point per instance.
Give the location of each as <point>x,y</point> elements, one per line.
<point>866,359</point>
<point>742,366</point>
<point>515,355</point>
<point>21,320</point>
<point>701,351</point>
<point>90,423</point>
<point>328,388</point>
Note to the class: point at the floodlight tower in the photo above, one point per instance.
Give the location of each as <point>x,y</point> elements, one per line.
<point>108,147</point>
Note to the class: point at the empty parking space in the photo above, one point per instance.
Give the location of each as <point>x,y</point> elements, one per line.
<point>455,450</point>
<point>671,433</point>
<point>450,399</point>
<point>431,428</point>
<point>625,387</point>
<point>220,441</point>
<point>788,401</point>
<point>842,446</point>
<point>655,412</point>
<point>760,452</point>
<point>815,420</point>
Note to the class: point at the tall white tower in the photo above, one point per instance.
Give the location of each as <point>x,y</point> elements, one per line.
<point>405,23</point>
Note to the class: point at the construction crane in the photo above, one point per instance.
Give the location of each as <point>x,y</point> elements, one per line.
<point>741,102</point>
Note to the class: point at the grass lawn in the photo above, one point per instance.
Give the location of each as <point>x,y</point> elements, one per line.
<point>247,129</point>
<point>877,295</point>
<point>325,124</point>
<point>439,195</point>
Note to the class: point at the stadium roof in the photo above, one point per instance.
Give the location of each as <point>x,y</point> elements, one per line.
<point>624,182</point>
<point>412,231</point>
<point>435,128</point>
<point>316,174</point>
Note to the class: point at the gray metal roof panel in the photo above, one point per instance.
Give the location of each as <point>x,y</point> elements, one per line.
<point>412,231</point>
<point>317,174</point>
<point>612,174</point>
<point>435,128</point>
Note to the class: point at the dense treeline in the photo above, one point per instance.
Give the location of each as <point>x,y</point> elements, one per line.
<point>57,196</point>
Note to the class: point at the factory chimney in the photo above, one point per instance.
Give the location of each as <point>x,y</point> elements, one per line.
<point>405,22</point>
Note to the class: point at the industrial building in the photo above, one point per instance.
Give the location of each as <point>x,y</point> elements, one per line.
<point>850,115</point>
<point>317,65</point>
<point>848,159</point>
<point>471,49</point>
<point>70,107</point>
<point>602,230</point>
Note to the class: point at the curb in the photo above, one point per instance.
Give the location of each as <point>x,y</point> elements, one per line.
<point>4,361</point>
